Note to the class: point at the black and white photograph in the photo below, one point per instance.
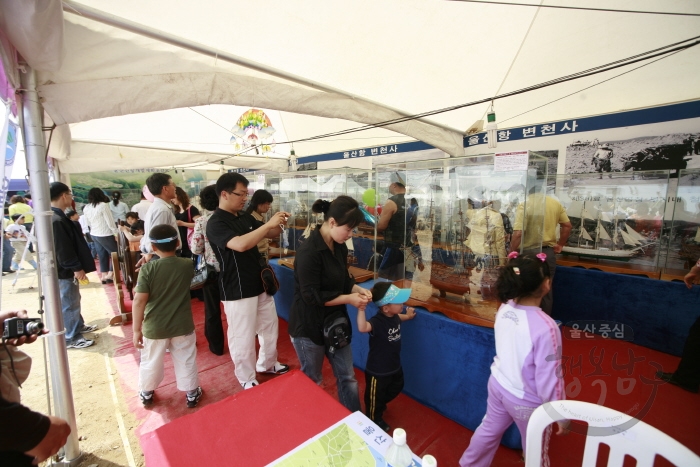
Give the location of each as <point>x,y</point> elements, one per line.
<point>666,152</point>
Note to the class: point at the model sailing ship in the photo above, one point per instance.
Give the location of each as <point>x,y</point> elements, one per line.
<point>587,247</point>
<point>451,271</point>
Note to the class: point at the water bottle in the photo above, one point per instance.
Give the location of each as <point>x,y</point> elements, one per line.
<point>399,454</point>
<point>429,461</point>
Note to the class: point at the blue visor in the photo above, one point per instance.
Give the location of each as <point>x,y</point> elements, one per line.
<point>162,240</point>
<point>394,295</point>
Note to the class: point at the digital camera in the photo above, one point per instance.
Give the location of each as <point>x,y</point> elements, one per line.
<point>18,327</point>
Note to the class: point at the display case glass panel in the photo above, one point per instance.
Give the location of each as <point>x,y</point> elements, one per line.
<point>684,234</point>
<point>299,190</point>
<point>617,219</point>
<point>449,234</point>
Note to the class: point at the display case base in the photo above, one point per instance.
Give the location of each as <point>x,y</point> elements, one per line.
<point>462,312</point>
<point>360,275</point>
<point>609,266</point>
<point>673,274</point>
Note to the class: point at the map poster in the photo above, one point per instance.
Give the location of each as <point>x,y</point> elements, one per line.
<point>354,441</point>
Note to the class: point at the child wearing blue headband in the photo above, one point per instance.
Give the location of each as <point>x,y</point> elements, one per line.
<point>383,372</point>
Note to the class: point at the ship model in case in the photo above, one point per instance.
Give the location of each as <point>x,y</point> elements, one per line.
<point>453,255</point>
<point>617,222</point>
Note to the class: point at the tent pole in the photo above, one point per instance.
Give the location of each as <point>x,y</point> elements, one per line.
<point>143,30</point>
<point>35,150</point>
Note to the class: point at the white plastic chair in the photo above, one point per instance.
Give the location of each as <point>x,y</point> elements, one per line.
<point>624,435</point>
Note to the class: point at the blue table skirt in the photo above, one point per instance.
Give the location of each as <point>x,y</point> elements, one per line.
<point>446,363</point>
<point>660,313</point>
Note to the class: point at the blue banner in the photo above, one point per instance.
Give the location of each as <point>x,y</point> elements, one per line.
<point>10,151</point>
<point>664,113</point>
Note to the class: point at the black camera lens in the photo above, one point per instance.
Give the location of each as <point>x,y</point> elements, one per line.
<point>33,327</point>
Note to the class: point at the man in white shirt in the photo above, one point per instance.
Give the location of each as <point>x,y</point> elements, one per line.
<point>162,187</point>
<point>141,208</point>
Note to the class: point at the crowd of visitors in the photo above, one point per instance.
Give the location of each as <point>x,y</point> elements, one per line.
<point>231,235</point>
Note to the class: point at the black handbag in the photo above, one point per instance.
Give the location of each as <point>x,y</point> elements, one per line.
<point>269,279</point>
<point>337,332</point>
<point>204,273</point>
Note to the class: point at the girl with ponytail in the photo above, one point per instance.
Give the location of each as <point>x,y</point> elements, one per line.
<point>528,351</point>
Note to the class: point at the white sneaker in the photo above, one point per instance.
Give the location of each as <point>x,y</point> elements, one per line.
<point>250,384</point>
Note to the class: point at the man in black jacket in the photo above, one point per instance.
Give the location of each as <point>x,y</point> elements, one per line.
<point>73,262</point>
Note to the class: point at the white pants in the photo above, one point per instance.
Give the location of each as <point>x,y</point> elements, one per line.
<point>246,318</point>
<point>183,351</point>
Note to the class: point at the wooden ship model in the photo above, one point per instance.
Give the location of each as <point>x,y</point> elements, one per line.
<point>451,272</point>
<point>605,246</point>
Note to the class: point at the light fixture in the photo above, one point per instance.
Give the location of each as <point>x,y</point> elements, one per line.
<point>491,127</point>
<point>221,169</point>
<point>292,161</point>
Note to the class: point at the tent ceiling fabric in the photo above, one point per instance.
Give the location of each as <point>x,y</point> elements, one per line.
<point>411,55</point>
<point>90,157</point>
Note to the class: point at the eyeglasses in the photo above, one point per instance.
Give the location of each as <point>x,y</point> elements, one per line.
<point>240,195</point>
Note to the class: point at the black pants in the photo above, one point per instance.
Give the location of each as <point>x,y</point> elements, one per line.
<point>379,391</point>
<point>213,329</point>
<point>688,372</point>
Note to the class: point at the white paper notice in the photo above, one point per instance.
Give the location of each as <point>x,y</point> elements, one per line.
<point>507,161</point>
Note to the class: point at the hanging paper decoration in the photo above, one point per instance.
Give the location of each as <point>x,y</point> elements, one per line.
<point>254,131</point>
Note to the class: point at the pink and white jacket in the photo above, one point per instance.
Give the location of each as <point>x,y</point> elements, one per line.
<point>528,352</point>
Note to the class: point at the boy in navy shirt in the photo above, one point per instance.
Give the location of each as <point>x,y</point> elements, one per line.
<point>383,372</point>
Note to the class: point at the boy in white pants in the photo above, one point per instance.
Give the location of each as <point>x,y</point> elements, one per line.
<point>163,318</point>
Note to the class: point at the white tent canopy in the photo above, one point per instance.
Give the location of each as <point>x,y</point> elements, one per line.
<point>339,65</point>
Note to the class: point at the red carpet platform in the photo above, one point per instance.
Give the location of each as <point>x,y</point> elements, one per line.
<point>609,372</point>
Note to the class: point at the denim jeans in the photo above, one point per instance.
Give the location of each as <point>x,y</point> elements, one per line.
<point>311,359</point>
<point>105,246</point>
<point>7,252</point>
<point>70,307</point>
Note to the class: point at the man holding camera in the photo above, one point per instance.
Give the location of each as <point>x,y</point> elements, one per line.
<point>234,236</point>
<point>26,437</point>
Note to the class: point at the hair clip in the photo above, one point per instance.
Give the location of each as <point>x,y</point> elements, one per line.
<point>516,270</point>
<point>542,256</point>
<point>512,255</point>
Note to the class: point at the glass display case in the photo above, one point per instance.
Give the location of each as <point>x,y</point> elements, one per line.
<point>617,220</point>
<point>683,237</point>
<point>445,227</point>
<point>265,180</point>
<point>299,190</point>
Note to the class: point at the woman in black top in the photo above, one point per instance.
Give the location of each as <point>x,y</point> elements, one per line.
<point>185,214</point>
<point>323,286</point>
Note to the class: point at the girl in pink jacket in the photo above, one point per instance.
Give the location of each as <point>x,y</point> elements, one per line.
<point>528,345</point>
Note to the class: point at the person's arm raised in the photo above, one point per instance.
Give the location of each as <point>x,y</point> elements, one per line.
<point>245,242</point>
